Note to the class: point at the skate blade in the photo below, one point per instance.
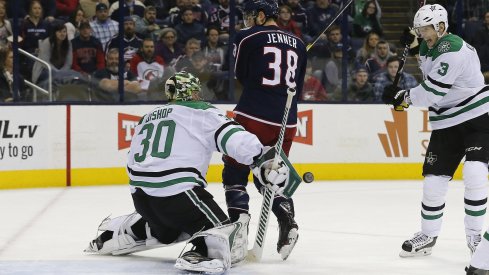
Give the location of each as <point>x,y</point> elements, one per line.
<point>202,267</point>
<point>287,249</point>
<point>422,252</point>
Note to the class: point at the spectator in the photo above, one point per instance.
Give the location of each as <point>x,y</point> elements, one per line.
<point>24,8</point>
<point>199,67</point>
<point>214,52</point>
<point>130,8</point>
<point>147,26</point>
<point>34,28</point>
<point>167,46</point>
<point>220,18</point>
<point>175,14</point>
<point>285,21</point>
<point>184,61</point>
<point>320,15</point>
<point>299,15</point>
<point>73,25</point>
<point>162,7</point>
<point>88,6</point>
<point>103,27</point>
<point>146,65</point>
<point>131,42</point>
<point>368,48</point>
<point>482,36</point>
<point>359,89</point>
<point>57,51</point>
<point>333,72</point>
<point>5,26</point>
<point>377,62</point>
<point>313,90</point>
<point>6,77</point>
<point>367,21</point>
<point>335,39</point>
<point>107,80</point>
<point>65,8</point>
<point>406,81</point>
<point>189,28</point>
<point>88,55</point>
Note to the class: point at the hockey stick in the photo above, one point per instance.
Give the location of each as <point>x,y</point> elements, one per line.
<point>309,46</point>
<point>255,254</point>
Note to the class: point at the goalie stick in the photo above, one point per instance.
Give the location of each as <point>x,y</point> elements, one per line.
<point>255,254</point>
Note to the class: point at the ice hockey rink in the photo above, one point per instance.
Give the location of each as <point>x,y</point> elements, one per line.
<point>346,227</point>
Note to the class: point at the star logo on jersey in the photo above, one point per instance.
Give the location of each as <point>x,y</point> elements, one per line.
<point>431,158</point>
<point>432,7</point>
<point>444,47</point>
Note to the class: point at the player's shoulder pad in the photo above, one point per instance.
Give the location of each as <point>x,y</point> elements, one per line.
<point>447,44</point>
<point>198,105</point>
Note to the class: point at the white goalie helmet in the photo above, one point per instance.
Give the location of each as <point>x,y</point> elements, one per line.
<point>431,15</point>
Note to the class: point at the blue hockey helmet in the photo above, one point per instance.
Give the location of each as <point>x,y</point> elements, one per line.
<point>268,7</point>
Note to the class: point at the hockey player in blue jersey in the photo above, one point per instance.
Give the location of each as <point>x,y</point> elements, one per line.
<point>268,62</point>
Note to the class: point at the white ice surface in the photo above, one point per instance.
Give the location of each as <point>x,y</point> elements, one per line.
<point>345,227</point>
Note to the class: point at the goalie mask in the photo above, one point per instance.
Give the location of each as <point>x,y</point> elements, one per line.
<point>430,15</point>
<point>183,86</point>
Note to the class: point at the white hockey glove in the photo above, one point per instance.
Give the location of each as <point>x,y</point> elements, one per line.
<point>271,177</point>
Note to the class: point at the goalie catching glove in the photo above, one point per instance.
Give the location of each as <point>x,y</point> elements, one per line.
<point>282,179</point>
<point>396,97</point>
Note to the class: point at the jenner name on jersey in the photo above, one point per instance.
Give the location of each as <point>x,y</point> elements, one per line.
<point>282,38</point>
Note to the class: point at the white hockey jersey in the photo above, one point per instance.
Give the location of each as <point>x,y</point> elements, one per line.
<point>453,86</point>
<point>173,144</point>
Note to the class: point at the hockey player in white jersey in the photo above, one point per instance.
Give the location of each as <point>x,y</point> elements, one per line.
<point>167,163</point>
<point>453,89</point>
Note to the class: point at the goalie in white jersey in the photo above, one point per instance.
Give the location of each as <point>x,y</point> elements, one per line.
<point>167,164</point>
<point>453,89</point>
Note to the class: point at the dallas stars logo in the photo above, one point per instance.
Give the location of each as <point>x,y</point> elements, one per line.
<point>432,7</point>
<point>430,158</point>
<point>444,47</point>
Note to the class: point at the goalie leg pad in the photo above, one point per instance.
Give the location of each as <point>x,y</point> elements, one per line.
<point>118,237</point>
<point>227,244</point>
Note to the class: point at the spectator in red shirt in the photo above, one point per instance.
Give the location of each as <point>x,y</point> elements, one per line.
<point>313,90</point>
<point>65,8</point>
<point>146,65</point>
<point>285,21</point>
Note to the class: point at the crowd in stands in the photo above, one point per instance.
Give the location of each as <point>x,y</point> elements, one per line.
<point>80,40</point>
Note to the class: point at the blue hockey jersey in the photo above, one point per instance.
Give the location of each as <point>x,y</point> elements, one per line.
<point>268,61</point>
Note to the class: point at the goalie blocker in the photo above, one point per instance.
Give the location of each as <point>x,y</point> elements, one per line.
<point>284,180</point>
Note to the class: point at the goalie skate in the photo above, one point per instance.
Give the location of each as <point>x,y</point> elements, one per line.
<point>472,242</point>
<point>419,245</point>
<point>193,261</point>
<point>476,271</point>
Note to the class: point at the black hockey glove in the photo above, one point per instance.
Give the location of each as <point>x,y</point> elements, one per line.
<point>407,37</point>
<point>394,96</point>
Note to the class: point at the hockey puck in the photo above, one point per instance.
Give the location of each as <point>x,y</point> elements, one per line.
<point>308,177</point>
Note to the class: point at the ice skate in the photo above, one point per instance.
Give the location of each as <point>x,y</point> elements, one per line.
<point>193,261</point>
<point>472,242</point>
<point>419,245</point>
<point>476,271</point>
<point>288,233</point>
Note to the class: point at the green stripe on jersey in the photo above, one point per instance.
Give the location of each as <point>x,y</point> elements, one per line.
<point>226,137</point>
<point>486,236</point>
<point>463,110</point>
<point>201,105</point>
<point>431,90</point>
<point>166,183</point>
<point>203,207</point>
<point>431,217</point>
<point>475,213</point>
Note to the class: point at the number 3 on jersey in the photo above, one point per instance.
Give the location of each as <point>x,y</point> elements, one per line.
<point>276,67</point>
<point>155,148</point>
